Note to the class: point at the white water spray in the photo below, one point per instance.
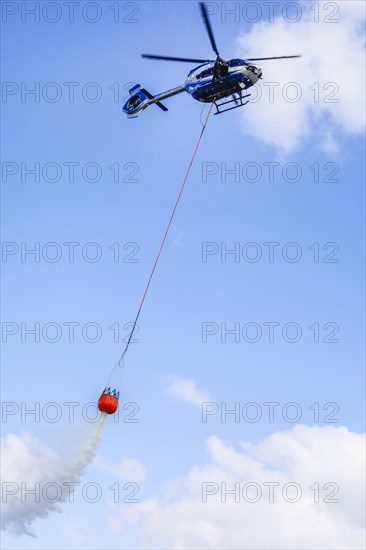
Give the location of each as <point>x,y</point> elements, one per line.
<point>35,480</point>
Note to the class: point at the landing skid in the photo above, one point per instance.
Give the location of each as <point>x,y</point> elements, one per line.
<point>239,103</point>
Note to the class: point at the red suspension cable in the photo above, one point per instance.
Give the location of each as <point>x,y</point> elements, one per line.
<point>166,234</point>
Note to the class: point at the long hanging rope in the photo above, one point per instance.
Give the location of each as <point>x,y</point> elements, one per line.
<point>165,236</point>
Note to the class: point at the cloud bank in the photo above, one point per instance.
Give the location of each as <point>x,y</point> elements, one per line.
<point>321,508</point>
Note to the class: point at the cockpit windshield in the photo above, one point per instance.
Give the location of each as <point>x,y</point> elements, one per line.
<point>253,68</point>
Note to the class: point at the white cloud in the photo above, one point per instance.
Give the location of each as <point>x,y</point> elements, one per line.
<point>129,469</point>
<point>186,390</point>
<point>304,455</point>
<point>332,53</point>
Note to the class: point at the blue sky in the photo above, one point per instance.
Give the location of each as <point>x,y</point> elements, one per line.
<point>169,437</point>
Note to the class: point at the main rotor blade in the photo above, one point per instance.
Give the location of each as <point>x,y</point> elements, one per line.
<point>209,28</point>
<point>169,58</point>
<point>268,58</point>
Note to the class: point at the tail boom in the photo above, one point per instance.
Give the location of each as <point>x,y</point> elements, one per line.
<point>140,98</point>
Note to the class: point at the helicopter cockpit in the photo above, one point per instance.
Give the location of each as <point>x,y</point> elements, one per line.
<point>204,71</point>
<point>205,74</point>
<point>220,67</point>
<point>254,69</point>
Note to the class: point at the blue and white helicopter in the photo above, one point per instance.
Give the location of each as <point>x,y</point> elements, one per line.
<point>211,81</point>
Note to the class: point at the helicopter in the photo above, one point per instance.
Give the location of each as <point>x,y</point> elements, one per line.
<point>213,81</point>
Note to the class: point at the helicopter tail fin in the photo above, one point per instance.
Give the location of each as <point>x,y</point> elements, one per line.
<point>138,100</point>
<point>158,103</point>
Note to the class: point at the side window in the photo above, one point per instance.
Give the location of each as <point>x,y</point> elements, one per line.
<point>209,72</point>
